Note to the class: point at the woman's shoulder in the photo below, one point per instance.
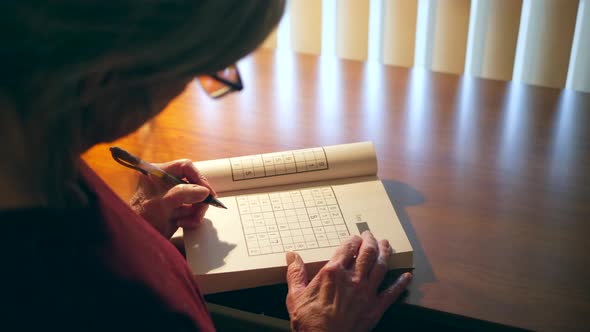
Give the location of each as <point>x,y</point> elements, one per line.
<point>69,266</point>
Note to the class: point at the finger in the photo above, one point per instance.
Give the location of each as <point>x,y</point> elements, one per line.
<point>296,273</point>
<point>391,293</point>
<point>380,268</point>
<point>347,251</point>
<point>185,168</point>
<point>192,210</point>
<point>184,211</point>
<point>191,216</point>
<point>328,279</point>
<point>184,194</point>
<point>152,207</point>
<point>368,253</point>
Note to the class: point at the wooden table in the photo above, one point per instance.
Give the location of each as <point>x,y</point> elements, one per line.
<point>490,179</point>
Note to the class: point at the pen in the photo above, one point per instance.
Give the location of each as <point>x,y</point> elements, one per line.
<point>128,160</point>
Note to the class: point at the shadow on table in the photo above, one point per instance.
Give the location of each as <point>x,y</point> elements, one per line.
<point>403,316</point>
<point>403,196</point>
<point>398,316</point>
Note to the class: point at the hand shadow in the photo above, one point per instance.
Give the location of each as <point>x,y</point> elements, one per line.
<point>216,250</point>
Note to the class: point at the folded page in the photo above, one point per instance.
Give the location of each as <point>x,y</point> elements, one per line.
<point>287,167</point>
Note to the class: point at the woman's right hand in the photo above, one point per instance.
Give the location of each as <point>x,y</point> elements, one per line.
<point>167,208</point>
<point>344,295</point>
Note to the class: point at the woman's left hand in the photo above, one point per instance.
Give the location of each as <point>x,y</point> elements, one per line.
<point>167,208</point>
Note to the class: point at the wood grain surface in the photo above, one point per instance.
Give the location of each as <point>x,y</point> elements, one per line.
<point>490,179</point>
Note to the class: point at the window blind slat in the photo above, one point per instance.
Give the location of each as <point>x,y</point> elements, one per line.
<point>306,26</point>
<point>352,29</point>
<point>493,33</point>
<point>424,33</point>
<point>545,41</point>
<point>444,35</point>
<point>579,67</point>
<point>450,38</point>
<point>399,32</point>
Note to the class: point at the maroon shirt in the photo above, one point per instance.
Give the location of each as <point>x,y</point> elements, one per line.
<point>98,268</point>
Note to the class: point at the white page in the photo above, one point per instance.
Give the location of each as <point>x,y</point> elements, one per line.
<point>341,161</point>
<point>220,253</point>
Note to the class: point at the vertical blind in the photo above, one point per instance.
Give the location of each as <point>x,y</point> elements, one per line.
<point>539,42</point>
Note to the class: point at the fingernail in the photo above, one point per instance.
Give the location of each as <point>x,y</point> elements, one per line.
<point>406,277</point>
<point>290,257</point>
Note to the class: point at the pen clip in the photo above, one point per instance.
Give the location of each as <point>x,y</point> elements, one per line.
<point>126,159</point>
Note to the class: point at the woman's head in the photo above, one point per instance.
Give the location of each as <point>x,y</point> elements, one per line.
<point>68,56</point>
<point>81,72</point>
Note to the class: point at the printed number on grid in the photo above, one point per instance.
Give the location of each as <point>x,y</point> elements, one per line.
<point>291,220</point>
<point>278,163</point>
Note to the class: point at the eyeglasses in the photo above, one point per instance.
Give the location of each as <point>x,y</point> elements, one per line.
<point>222,82</point>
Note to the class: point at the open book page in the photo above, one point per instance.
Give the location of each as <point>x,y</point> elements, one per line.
<point>287,167</point>
<point>245,245</point>
<point>295,166</point>
<point>310,207</point>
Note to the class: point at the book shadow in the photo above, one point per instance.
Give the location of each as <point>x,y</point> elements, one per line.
<point>403,196</point>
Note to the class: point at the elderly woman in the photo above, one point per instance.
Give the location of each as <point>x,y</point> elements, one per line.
<point>75,73</point>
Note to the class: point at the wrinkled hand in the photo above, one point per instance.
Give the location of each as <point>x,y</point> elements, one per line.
<point>168,208</point>
<point>344,295</point>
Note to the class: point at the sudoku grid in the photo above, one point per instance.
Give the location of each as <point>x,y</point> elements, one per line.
<point>291,220</point>
<point>278,163</point>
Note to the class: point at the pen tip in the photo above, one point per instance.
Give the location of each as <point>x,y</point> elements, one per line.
<point>214,201</point>
<point>220,204</point>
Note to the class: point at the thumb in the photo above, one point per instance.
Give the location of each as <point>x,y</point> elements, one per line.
<point>393,292</point>
<point>191,216</point>
<point>184,194</point>
<point>296,273</point>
